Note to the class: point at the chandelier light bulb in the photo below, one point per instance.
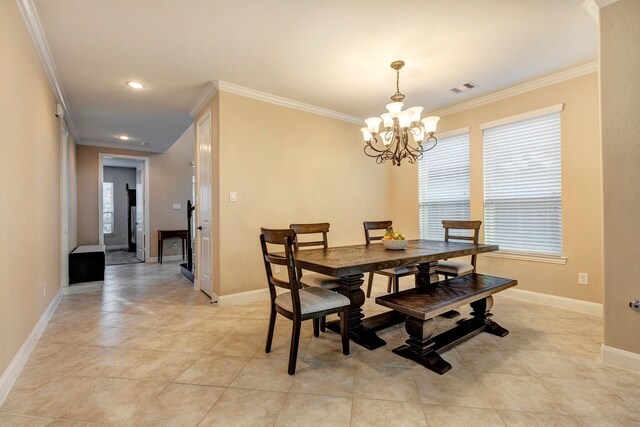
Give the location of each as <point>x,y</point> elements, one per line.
<point>366,134</point>
<point>404,117</point>
<point>415,113</point>
<point>430,123</point>
<point>373,124</point>
<point>387,120</point>
<point>394,107</point>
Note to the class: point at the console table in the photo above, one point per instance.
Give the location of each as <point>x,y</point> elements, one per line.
<point>171,234</point>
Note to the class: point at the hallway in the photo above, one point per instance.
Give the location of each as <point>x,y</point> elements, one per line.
<point>150,350</point>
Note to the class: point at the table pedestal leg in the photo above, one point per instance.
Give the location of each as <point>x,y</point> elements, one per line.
<point>420,346</point>
<point>426,274</point>
<point>350,286</point>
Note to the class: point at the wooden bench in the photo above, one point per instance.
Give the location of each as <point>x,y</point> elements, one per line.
<point>86,264</point>
<point>424,303</point>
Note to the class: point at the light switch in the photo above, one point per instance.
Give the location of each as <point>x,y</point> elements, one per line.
<point>233,196</point>
<point>177,206</point>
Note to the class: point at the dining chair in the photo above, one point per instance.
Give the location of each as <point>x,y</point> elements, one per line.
<point>448,268</point>
<point>313,279</point>
<point>297,303</point>
<point>393,274</point>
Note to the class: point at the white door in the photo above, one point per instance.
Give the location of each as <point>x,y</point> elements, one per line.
<point>203,206</point>
<point>140,207</point>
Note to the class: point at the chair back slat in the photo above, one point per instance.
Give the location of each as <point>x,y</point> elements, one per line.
<point>283,238</point>
<point>463,225</point>
<point>306,230</point>
<point>372,226</point>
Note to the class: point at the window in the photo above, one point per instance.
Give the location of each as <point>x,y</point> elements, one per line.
<point>443,175</point>
<point>107,207</point>
<point>522,183</point>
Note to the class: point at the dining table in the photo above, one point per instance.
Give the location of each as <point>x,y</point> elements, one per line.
<point>349,263</point>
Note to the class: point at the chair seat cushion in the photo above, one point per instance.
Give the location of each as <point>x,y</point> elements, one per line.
<point>313,300</point>
<point>319,280</point>
<point>410,269</point>
<point>454,267</point>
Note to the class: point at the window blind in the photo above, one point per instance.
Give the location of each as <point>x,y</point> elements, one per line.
<point>443,175</point>
<point>522,185</point>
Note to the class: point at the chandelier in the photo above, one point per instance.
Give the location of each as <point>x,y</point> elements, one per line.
<point>404,133</point>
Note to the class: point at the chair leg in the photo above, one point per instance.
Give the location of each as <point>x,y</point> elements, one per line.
<point>389,284</point>
<point>344,331</point>
<point>396,284</point>
<point>370,284</point>
<point>295,340</point>
<point>272,326</point>
<point>316,327</point>
<point>323,323</point>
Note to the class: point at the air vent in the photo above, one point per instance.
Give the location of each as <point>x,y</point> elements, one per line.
<point>463,87</point>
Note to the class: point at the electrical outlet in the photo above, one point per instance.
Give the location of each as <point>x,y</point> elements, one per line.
<point>635,305</point>
<point>233,196</point>
<point>583,278</point>
<point>175,246</point>
<point>276,269</point>
<point>44,289</point>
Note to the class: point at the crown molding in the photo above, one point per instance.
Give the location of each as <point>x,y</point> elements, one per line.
<point>121,146</point>
<point>31,19</point>
<point>604,3</point>
<point>206,95</point>
<point>286,102</point>
<point>591,67</point>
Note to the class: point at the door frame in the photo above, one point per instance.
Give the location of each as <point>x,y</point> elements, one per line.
<point>145,163</point>
<point>196,262</point>
<point>64,204</point>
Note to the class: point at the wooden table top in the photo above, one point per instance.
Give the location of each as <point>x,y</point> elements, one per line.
<point>357,259</point>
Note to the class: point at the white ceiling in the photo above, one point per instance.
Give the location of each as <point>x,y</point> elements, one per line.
<point>332,53</point>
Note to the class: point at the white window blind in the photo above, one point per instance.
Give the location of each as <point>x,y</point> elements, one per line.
<point>443,175</point>
<point>522,185</point>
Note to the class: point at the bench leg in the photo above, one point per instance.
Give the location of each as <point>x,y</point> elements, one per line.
<point>420,347</point>
<point>481,310</point>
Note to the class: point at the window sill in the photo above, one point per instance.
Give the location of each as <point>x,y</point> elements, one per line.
<point>524,256</point>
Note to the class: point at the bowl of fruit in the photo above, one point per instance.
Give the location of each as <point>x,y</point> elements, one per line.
<point>394,241</point>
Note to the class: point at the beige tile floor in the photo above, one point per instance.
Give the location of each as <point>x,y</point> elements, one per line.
<point>149,350</point>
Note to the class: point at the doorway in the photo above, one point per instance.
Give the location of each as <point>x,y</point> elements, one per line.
<point>123,213</point>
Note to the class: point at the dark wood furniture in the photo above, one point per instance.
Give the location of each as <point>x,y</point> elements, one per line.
<point>86,264</point>
<point>424,303</point>
<point>393,274</point>
<point>298,304</point>
<point>131,215</point>
<point>187,267</point>
<point>455,268</point>
<point>349,263</point>
<point>171,234</point>
<point>313,279</point>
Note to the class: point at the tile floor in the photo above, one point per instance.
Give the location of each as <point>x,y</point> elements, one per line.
<point>149,350</point>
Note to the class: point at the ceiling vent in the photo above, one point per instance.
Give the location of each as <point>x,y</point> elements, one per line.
<point>463,87</point>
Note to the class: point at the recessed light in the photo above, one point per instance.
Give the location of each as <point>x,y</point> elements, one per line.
<point>135,85</point>
<point>124,137</point>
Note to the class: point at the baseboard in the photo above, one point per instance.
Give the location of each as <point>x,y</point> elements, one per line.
<point>152,259</point>
<point>621,358</point>
<point>586,307</point>
<point>10,374</point>
<point>117,247</point>
<point>83,287</point>
<point>243,297</point>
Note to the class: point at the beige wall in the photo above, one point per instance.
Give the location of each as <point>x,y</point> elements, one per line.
<point>169,183</point>
<point>30,172</point>
<point>620,62</point>
<point>581,177</point>
<point>288,166</point>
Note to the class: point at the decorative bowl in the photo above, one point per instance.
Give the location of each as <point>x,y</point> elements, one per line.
<point>395,245</point>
